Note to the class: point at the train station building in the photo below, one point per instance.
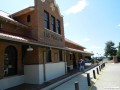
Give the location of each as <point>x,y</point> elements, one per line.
<point>33,48</point>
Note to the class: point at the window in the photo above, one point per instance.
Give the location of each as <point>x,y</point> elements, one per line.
<point>64,57</point>
<point>55,56</point>
<point>46,20</point>
<point>1,25</point>
<point>71,56</point>
<point>28,18</point>
<point>60,55</point>
<point>53,23</point>
<point>58,27</point>
<point>49,55</point>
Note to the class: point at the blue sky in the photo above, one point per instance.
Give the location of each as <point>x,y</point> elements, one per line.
<point>90,23</point>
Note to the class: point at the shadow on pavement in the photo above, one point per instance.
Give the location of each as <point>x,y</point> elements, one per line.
<point>94,88</point>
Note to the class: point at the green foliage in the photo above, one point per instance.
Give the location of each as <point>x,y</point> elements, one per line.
<point>110,50</point>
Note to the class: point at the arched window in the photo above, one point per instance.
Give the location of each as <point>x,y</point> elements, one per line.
<point>10,61</point>
<point>28,18</point>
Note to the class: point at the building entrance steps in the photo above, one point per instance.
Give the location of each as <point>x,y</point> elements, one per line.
<point>53,83</point>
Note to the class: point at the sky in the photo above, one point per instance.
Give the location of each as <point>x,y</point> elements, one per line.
<point>90,23</point>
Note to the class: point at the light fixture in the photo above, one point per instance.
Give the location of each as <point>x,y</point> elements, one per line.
<point>29,48</point>
<point>43,0</point>
<point>70,52</point>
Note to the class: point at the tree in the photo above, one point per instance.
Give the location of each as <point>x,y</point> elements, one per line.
<point>110,50</point>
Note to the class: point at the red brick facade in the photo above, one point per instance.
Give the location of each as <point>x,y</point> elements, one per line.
<point>46,36</point>
<point>35,31</point>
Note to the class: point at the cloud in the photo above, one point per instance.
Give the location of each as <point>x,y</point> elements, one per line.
<point>77,41</point>
<point>95,47</point>
<point>97,50</point>
<point>81,5</point>
<point>25,6</point>
<point>67,24</point>
<point>118,25</point>
<point>86,39</point>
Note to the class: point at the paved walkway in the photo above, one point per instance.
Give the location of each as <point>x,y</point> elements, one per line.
<point>109,79</point>
<point>39,87</point>
<point>81,78</point>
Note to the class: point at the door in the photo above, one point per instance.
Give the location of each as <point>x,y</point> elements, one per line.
<point>74,61</point>
<point>10,61</point>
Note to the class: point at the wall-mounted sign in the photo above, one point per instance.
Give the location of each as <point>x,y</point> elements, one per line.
<point>52,36</point>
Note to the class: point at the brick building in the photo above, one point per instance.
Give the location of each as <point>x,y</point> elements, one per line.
<point>33,48</point>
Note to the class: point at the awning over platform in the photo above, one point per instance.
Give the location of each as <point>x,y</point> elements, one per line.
<point>80,51</point>
<point>27,41</point>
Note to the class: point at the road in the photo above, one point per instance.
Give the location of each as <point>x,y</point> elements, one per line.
<point>109,79</point>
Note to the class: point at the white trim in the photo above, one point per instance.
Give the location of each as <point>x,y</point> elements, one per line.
<point>31,73</point>
<point>54,70</point>
<point>34,74</point>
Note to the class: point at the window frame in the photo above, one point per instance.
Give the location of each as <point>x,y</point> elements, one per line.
<point>58,28</point>
<point>71,56</point>
<point>28,18</point>
<point>53,25</point>
<point>60,56</point>
<point>46,20</point>
<point>1,25</point>
<point>49,53</point>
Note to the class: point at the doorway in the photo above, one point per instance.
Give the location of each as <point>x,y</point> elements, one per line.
<point>74,61</point>
<point>10,61</point>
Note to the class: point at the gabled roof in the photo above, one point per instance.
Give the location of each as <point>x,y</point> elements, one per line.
<point>67,40</point>
<point>28,41</point>
<point>5,16</point>
<point>23,11</point>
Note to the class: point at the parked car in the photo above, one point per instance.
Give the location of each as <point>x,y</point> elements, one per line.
<point>88,60</point>
<point>99,58</point>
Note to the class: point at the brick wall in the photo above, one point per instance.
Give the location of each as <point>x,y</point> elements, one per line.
<point>39,11</point>
<point>15,29</point>
<point>32,57</point>
<point>54,55</point>
<point>38,31</point>
<point>3,45</point>
<point>32,24</point>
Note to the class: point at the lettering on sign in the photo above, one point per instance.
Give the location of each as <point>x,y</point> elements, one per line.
<point>52,36</point>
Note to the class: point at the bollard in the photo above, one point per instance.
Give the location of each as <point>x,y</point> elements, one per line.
<point>99,68</point>
<point>76,85</point>
<point>88,79</point>
<point>103,65</point>
<point>94,74</point>
<point>97,71</point>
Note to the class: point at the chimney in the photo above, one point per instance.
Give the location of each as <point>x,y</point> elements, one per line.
<point>37,3</point>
